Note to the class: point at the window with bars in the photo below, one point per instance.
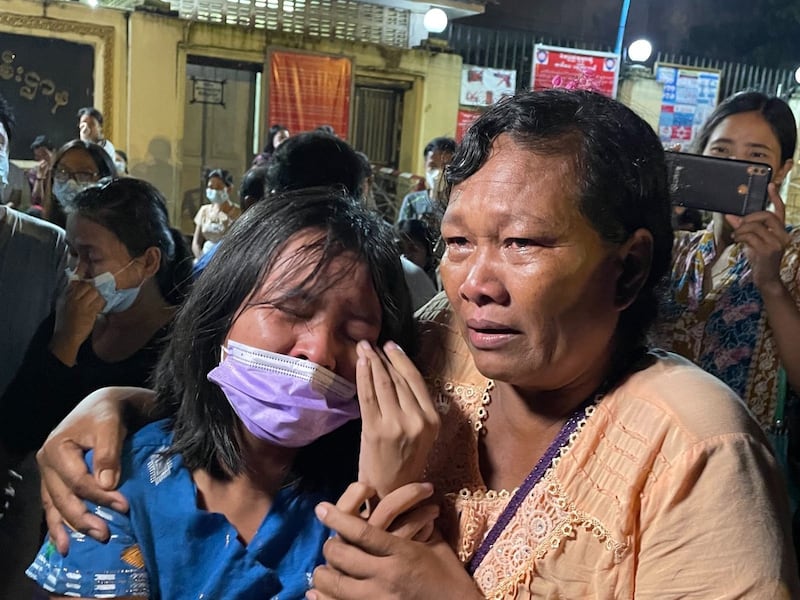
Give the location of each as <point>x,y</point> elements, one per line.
<point>335,19</point>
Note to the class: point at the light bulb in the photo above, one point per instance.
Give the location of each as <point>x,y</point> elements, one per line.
<point>640,50</point>
<point>435,20</point>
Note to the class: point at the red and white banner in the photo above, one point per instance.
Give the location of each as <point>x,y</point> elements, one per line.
<point>572,69</point>
<point>465,119</point>
<point>483,86</point>
<point>309,90</point>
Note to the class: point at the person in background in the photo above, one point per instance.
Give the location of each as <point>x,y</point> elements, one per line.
<point>304,290</point>
<point>121,162</point>
<point>90,129</point>
<point>128,272</point>
<point>416,244</point>
<point>317,158</point>
<point>367,195</point>
<point>733,301</point>
<point>251,190</point>
<point>17,192</point>
<point>686,219</point>
<point>39,176</point>
<point>422,205</point>
<point>213,220</point>
<point>76,166</point>
<point>33,255</point>
<point>276,135</point>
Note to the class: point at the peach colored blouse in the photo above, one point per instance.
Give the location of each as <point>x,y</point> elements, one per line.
<point>668,490</point>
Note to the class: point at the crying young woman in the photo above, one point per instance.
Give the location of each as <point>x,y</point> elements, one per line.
<point>257,389</point>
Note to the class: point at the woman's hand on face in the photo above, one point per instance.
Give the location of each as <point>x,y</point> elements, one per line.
<point>399,420</point>
<point>96,423</point>
<point>765,238</point>
<point>363,561</point>
<point>76,313</point>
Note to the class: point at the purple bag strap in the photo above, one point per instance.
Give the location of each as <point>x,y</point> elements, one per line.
<point>530,482</point>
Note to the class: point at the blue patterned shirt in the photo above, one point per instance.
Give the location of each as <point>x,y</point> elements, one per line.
<point>166,547</point>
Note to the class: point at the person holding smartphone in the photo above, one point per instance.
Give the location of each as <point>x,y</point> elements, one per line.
<point>732,301</point>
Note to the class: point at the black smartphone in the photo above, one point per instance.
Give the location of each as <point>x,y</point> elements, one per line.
<point>735,187</point>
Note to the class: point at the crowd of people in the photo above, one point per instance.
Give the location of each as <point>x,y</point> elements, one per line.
<point>533,382</point>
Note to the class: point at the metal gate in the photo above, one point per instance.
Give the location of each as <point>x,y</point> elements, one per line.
<point>377,116</point>
<point>511,49</point>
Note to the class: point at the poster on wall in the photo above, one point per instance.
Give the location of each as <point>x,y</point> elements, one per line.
<point>46,81</point>
<point>308,90</point>
<point>690,94</point>
<point>465,120</point>
<point>568,68</point>
<point>483,86</point>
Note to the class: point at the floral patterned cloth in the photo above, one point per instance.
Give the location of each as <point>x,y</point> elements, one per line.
<point>725,331</point>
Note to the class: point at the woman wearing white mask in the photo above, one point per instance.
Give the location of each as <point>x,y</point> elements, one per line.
<point>128,271</point>
<point>213,220</point>
<point>76,166</point>
<point>257,385</point>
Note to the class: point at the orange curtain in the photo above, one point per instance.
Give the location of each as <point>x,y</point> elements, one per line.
<point>309,90</point>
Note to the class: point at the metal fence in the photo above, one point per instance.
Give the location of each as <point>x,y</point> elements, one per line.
<point>511,49</point>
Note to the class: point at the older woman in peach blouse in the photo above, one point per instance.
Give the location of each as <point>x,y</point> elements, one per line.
<point>573,462</point>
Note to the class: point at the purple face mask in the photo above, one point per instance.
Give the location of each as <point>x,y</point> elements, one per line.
<point>287,401</point>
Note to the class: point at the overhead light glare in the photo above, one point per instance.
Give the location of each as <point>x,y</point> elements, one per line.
<point>435,20</point>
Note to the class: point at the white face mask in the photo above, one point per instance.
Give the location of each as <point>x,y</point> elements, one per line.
<point>121,166</point>
<point>216,196</point>
<point>106,285</point>
<point>65,191</point>
<point>432,178</point>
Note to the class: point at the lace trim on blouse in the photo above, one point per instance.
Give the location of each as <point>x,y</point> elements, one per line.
<point>544,521</point>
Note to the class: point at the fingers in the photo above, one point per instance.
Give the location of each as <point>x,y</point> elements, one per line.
<point>345,558</point>
<point>416,524</point>
<point>414,380</point>
<point>354,497</point>
<point>777,202</point>
<point>367,399</point>
<point>61,506</point>
<point>397,387</point>
<point>398,502</point>
<point>764,231</point>
<point>108,440</point>
<point>330,584</point>
<point>54,523</point>
<point>355,530</point>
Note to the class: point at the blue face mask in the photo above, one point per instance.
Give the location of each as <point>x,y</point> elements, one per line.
<point>65,191</point>
<point>105,284</point>
<point>216,196</point>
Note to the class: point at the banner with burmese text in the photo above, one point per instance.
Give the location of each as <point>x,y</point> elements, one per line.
<point>572,69</point>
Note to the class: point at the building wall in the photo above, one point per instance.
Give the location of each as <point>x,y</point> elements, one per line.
<point>140,73</point>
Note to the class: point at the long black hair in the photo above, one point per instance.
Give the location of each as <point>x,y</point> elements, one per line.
<point>207,432</point>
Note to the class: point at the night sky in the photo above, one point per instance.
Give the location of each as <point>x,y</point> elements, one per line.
<point>763,32</point>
